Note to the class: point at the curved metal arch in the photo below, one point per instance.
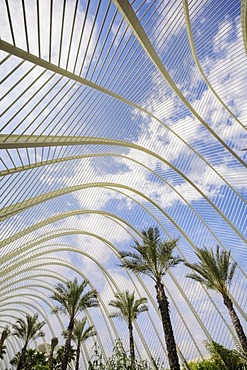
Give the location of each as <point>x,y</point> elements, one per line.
<point>25,304</point>
<point>35,280</point>
<point>58,217</point>
<point>11,171</point>
<point>31,258</point>
<point>195,314</point>
<point>45,273</point>
<point>73,213</point>
<point>131,159</point>
<point>39,310</point>
<point>135,25</point>
<point>54,275</point>
<point>115,250</point>
<point>9,211</point>
<point>244,22</point>
<point>141,36</point>
<point>28,295</point>
<point>108,276</point>
<point>115,67</point>
<point>26,141</point>
<point>143,285</point>
<point>112,281</point>
<point>102,304</point>
<point>197,62</point>
<point>51,289</point>
<point>204,289</point>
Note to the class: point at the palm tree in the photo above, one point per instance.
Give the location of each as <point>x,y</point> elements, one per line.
<point>72,300</point>
<point>129,308</point>
<point>216,272</point>
<point>54,343</point>
<point>153,258</point>
<point>80,335</point>
<point>29,329</point>
<point>5,334</point>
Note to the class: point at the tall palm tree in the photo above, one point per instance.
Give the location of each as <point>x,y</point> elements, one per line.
<point>72,300</point>
<point>215,271</point>
<point>54,343</point>
<point>80,335</point>
<point>129,308</point>
<point>29,329</point>
<point>5,334</point>
<point>153,258</point>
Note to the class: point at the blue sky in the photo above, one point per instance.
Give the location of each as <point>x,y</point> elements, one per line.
<point>178,150</point>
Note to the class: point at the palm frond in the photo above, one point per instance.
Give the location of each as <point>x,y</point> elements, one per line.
<point>199,279</point>
<point>80,333</point>
<point>214,270</point>
<point>153,257</point>
<point>28,329</point>
<point>231,272</point>
<point>73,299</point>
<point>127,306</point>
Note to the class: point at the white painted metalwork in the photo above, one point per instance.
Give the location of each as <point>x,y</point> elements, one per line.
<point>117,115</point>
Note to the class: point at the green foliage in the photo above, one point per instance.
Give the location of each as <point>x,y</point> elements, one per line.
<point>81,333</point>
<point>221,358</point>
<point>127,306</point>
<point>33,360</point>
<point>242,356</point>
<point>2,352</point>
<point>5,334</point>
<point>153,257</point>
<point>119,360</point>
<point>28,329</point>
<point>97,361</point>
<point>214,270</point>
<point>203,365</point>
<point>72,298</point>
<point>59,356</point>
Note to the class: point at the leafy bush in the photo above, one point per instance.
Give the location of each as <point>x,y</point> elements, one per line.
<point>119,360</point>
<point>221,358</point>
<point>33,360</point>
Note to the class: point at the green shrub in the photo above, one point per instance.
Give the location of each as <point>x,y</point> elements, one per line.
<point>120,360</point>
<point>221,358</point>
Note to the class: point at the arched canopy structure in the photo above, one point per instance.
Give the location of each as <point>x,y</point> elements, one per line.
<point>118,115</point>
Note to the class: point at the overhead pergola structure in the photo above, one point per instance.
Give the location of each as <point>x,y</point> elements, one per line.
<point>117,116</point>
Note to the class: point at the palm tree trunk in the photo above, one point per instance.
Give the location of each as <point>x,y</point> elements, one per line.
<point>2,347</point>
<point>78,351</point>
<point>236,322</point>
<point>54,343</point>
<point>22,358</point>
<point>67,345</point>
<point>132,346</point>
<point>167,326</point>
